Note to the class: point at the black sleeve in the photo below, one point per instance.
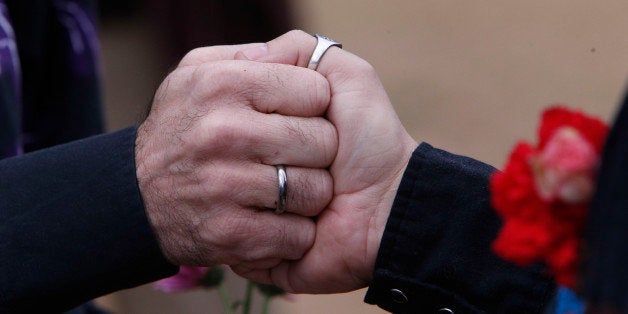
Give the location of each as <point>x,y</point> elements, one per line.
<point>435,252</point>
<point>606,236</point>
<point>73,226</point>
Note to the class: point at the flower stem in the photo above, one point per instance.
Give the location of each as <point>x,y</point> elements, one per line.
<point>226,300</point>
<point>246,308</point>
<point>266,305</point>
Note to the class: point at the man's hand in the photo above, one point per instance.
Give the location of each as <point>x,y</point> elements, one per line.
<point>207,152</point>
<point>373,152</point>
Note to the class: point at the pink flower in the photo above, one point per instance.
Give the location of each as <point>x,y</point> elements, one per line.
<point>564,169</point>
<point>189,277</point>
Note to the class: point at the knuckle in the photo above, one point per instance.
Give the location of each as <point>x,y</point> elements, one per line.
<point>205,72</point>
<point>320,94</point>
<point>318,136</point>
<point>201,55</point>
<point>295,128</point>
<point>281,239</point>
<point>218,194</point>
<point>326,187</point>
<point>307,200</point>
<point>171,85</point>
<point>215,79</point>
<point>191,57</point>
<point>364,67</point>
<point>262,81</point>
<point>200,73</point>
<point>316,191</point>
<point>274,240</point>
<point>229,80</point>
<point>356,67</point>
<point>329,141</point>
<point>300,240</point>
<point>163,89</point>
<point>297,34</point>
<point>230,232</point>
<point>221,132</point>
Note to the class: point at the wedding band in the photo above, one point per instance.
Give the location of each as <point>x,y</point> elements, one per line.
<point>323,43</point>
<point>283,189</point>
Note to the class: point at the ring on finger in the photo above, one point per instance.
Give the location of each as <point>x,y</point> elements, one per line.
<point>322,44</point>
<point>282,179</point>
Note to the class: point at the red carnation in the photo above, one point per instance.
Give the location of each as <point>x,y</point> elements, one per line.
<point>512,190</point>
<point>543,193</point>
<point>522,243</point>
<point>558,116</point>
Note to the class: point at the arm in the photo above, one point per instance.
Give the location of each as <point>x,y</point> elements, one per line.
<point>72,225</point>
<point>436,246</point>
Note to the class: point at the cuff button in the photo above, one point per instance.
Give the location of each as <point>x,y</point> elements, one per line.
<point>398,296</point>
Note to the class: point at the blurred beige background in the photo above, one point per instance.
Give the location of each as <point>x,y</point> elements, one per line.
<point>467,76</point>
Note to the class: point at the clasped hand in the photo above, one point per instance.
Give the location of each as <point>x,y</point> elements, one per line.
<point>224,118</point>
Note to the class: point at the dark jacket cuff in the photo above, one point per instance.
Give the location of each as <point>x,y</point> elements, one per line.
<point>73,226</point>
<point>435,252</point>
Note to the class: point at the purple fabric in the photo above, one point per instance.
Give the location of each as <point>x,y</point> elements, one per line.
<point>10,78</point>
<point>81,30</point>
<point>58,74</point>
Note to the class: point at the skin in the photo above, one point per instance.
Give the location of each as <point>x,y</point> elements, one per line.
<point>206,153</point>
<point>373,151</point>
<point>226,115</point>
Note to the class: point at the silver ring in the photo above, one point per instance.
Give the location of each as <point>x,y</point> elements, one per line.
<point>283,189</point>
<point>323,43</point>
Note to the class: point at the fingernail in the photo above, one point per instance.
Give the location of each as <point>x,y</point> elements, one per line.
<point>256,53</point>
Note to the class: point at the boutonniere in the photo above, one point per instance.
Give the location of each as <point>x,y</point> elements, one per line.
<point>544,191</point>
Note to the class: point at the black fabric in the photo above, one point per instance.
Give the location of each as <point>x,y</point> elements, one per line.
<point>60,242</point>
<point>606,274</point>
<point>73,226</point>
<point>87,308</point>
<point>436,246</point>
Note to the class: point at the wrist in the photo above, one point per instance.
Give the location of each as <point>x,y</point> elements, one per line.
<point>147,193</point>
<point>379,220</point>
